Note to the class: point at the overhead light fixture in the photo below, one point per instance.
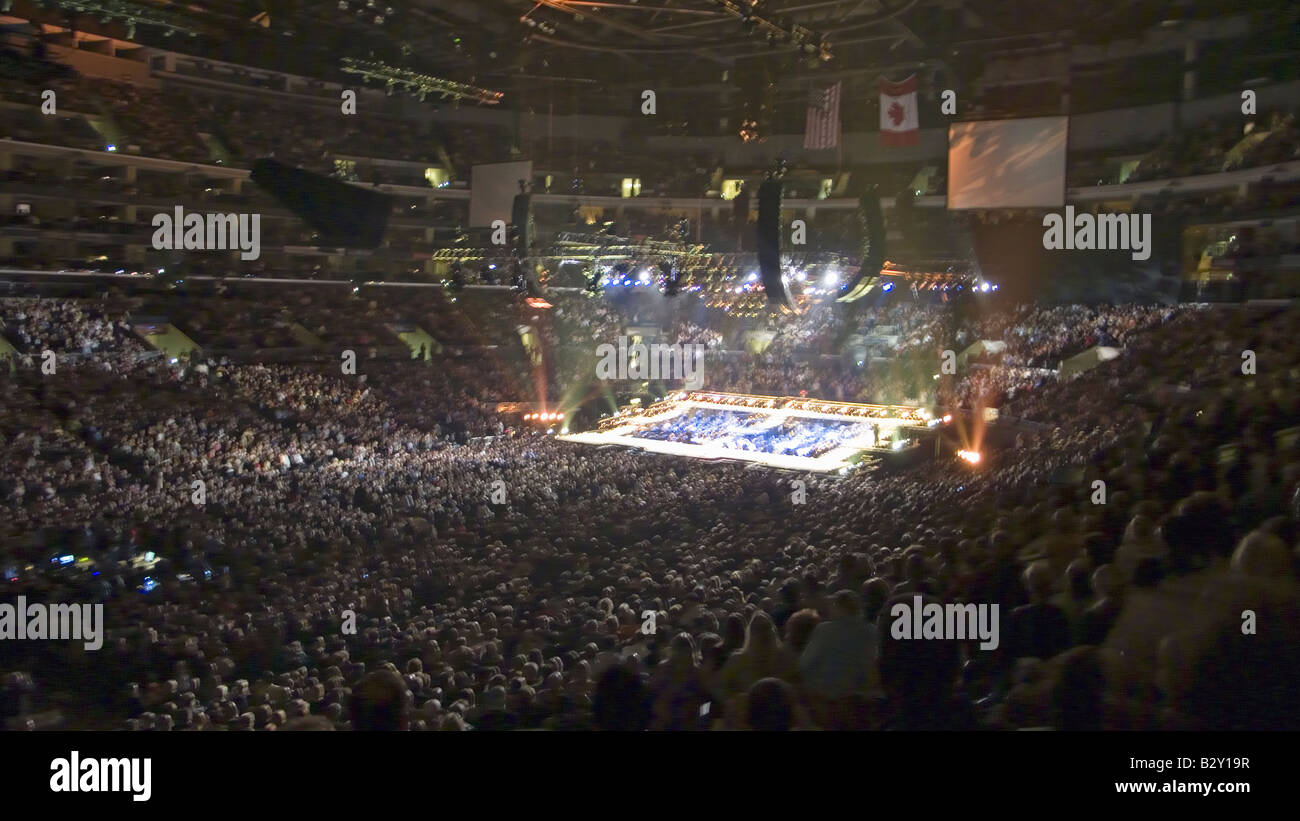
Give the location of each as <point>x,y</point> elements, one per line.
<point>415,83</point>
<point>127,10</point>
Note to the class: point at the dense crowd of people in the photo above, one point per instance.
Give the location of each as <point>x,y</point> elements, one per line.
<point>901,345</point>
<point>331,506</point>
<point>508,582</point>
<point>64,326</point>
<point>281,543</point>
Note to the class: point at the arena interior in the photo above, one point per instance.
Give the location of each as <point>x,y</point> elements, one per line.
<point>633,365</point>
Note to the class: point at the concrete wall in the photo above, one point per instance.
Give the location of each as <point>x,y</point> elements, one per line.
<point>103,65</point>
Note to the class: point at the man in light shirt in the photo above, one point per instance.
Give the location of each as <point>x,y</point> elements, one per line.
<point>840,658</point>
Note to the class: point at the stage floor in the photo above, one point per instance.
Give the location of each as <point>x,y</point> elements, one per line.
<point>789,433</point>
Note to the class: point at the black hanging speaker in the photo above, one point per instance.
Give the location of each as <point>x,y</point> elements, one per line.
<point>769,245</point>
<point>521,220</point>
<point>872,219</point>
<point>346,216</point>
<point>740,207</point>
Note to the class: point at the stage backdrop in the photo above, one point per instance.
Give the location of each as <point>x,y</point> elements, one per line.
<point>1007,163</point>
<point>492,191</point>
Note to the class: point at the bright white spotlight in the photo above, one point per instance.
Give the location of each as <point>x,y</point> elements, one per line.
<point>831,277</point>
<point>971,456</point>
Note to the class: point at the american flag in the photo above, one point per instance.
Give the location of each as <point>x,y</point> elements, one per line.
<point>822,129</point>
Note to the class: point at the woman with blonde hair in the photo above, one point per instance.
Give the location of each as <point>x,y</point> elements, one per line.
<point>678,689</point>
<point>763,656</point>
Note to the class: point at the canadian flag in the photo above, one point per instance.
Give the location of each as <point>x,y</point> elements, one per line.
<point>899,123</point>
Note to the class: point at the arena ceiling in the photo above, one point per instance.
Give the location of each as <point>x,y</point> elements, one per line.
<point>640,40</point>
<point>518,45</point>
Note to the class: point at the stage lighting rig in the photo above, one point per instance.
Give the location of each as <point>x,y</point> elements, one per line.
<point>416,84</point>
<point>368,9</point>
<point>805,40</point>
<point>672,277</point>
<point>539,25</point>
<point>131,14</point>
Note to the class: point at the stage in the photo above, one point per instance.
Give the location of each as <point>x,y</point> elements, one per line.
<point>788,433</point>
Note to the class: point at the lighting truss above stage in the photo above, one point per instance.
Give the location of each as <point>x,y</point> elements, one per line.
<point>790,433</point>
<point>417,84</point>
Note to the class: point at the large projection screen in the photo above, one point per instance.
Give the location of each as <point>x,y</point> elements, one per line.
<point>492,191</point>
<point>1007,163</point>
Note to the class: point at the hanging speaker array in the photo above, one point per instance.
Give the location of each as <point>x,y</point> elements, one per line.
<point>872,221</point>
<point>769,245</point>
<point>345,216</point>
<point>522,225</point>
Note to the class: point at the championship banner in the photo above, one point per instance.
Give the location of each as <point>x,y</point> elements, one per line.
<point>900,122</point>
